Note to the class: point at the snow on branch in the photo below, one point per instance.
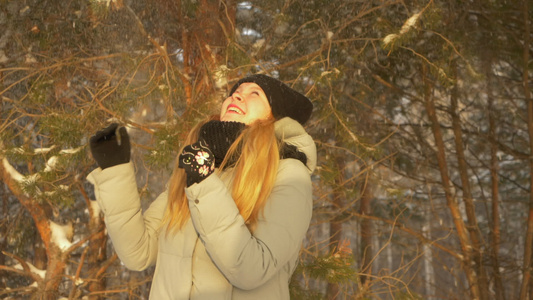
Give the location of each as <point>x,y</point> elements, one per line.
<point>33,269</point>
<point>70,151</point>
<point>52,161</point>
<point>43,150</point>
<point>95,208</point>
<point>407,26</point>
<point>24,181</point>
<point>61,235</point>
<point>24,268</point>
<point>12,172</point>
<point>410,23</point>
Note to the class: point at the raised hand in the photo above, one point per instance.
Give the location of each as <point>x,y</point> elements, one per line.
<point>197,161</point>
<point>111,146</point>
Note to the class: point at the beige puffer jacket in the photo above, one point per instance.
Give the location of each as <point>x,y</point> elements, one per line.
<point>214,256</point>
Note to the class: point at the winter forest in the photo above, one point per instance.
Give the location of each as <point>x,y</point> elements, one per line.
<point>423,121</point>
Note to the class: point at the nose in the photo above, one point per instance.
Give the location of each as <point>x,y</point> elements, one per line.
<point>237,96</point>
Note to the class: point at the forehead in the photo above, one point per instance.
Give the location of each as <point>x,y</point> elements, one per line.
<point>249,86</point>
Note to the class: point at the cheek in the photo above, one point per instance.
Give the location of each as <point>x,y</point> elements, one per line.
<point>266,111</point>
<point>224,107</point>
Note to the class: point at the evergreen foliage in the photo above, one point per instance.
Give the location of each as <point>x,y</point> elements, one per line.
<point>374,71</point>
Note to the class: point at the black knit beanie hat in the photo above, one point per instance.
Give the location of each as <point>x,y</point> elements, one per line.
<point>283,100</point>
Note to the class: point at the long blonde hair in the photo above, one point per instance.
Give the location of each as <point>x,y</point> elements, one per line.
<point>256,152</point>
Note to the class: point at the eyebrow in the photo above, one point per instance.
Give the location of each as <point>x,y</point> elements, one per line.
<point>252,88</point>
<point>256,88</point>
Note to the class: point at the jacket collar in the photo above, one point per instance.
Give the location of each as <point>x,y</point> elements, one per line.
<point>291,132</point>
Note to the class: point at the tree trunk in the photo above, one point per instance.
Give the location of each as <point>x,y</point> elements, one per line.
<point>451,202</point>
<point>429,273</point>
<point>204,42</point>
<point>366,231</point>
<point>96,257</point>
<point>3,235</point>
<point>97,253</point>
<point>39,253</point>
<point>54,273</point>
<point>495,204</point>
<point>528,251</point>
<point>335,225</point>
<point>55,259</point>
<point>473,229</point>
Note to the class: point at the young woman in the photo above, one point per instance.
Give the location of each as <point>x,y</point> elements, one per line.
<point>238,204</point>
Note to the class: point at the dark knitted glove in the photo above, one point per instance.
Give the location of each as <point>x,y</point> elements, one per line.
<point>198,162</point>
<point>111,147</point>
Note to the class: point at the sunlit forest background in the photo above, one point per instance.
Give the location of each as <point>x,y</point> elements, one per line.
<point>423,119</point>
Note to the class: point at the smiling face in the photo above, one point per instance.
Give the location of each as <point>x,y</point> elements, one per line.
<point>247,104</point>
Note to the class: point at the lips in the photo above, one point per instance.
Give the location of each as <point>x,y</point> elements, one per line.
<point>232,108</point>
